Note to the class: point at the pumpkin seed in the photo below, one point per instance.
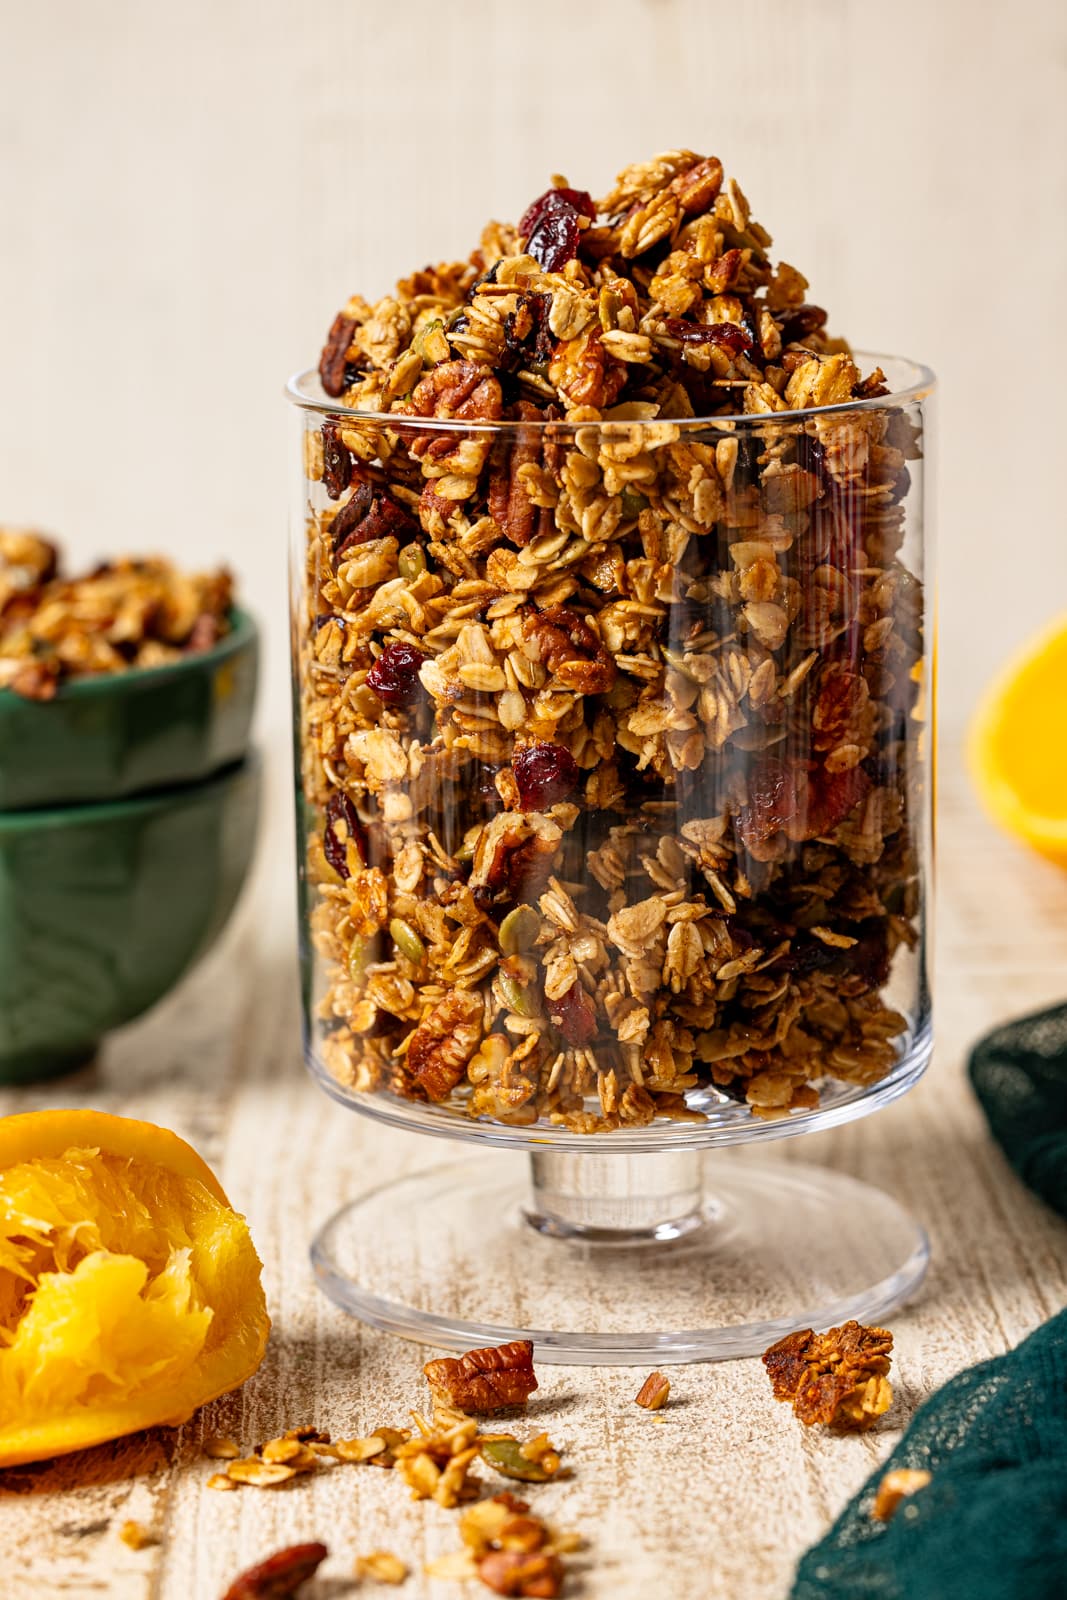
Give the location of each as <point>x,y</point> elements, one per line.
<point>407,941</point>
<point>518,930</point>
<point>505,1456</point>
<point>357,959</point>
<point>515,997</point>
<point>632,502</point>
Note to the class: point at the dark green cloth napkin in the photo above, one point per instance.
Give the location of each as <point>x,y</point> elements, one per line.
<point>992,1522</point>
<point>1019,1073</point>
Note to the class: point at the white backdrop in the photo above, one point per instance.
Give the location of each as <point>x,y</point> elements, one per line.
<point>188,192</point>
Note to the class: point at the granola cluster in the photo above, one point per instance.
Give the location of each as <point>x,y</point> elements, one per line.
<point>608,670</point>
<point>126,613</point>
<point>838,1378</point>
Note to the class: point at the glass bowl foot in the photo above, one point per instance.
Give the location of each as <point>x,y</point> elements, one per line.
<point>725,1256</point>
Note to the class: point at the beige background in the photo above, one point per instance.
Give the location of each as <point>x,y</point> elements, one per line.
<point>189,191</point>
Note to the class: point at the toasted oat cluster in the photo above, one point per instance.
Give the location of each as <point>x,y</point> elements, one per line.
<point>837,1378</point>
<point>126,613</point>
<point>608,693</point>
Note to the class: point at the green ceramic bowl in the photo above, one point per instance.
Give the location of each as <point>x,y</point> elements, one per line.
<point>127,732</point>
<point>103,908</point>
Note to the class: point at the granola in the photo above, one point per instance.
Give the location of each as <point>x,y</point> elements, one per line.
<point>837,1378</point>
<point>126,613</point>
<point>609,716</point>
<point>511,1550</point>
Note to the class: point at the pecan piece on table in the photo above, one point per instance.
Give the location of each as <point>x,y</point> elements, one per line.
<point>571,649</point>
<point>484,1380</point>
<point>444,1042</point>
<point>895,1487</point>
<point>280,1576</point>
<point>334,356</point>
<point>837,1378</point>
<point>654,1392</point>
<point>534,1573</point>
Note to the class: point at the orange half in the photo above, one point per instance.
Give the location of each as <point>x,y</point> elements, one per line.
<point>130,1290</point>
<point>1018,744</point>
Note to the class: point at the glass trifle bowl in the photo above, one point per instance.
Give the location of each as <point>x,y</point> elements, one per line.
<point>614,745</point>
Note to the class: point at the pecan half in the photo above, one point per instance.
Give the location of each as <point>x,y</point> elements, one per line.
<point>368,514</point>
<point>444,1042</point>
<point>585,373</point>
<point>484,1380</point>
<point>513,858</point>
<point>280,1576</point>
<point>335,354</point>
<point>697,187</point>
<point>571,649</point>
<point>510,505</point>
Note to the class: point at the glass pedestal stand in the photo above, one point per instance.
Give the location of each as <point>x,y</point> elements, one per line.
<point>637,1248</point>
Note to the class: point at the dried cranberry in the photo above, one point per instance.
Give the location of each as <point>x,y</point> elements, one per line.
<point>551,226</point>
<point>576,199</point>
<point>554,241</point>
<point>831,796</point>
<point>340,809</point>
<point>574,1014</point>
<point>545,774</point>
<point>394,677</point>
<point>336,462</point>
<point>775,792</point>
<point>730,336</point>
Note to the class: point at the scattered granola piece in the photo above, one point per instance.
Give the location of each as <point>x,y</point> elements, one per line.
<point>654,1392</point>
<point>221,1448</point>
<point>222,1481</point>
<point>511,1551</point>
<point>895,1487</point>
<point>260,1474</point>
<point>837,1378</point>
<point>136,1535</point>
<point>534,1462</point>
<point>513,1572</point>
<point>280,1576</point>
<point>436,1463</point>
<point>381,1566</point>
<point>484,1380</point>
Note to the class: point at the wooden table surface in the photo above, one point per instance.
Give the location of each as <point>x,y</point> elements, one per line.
<point>721,1497</point>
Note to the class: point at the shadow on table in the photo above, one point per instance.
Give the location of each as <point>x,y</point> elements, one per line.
<point>139,1455</point>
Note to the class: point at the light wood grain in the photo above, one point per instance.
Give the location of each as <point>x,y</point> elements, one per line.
<point>720,1498</point>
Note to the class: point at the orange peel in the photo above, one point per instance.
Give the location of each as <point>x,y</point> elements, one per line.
<point>1017,748</point>
<point>130,1290</point>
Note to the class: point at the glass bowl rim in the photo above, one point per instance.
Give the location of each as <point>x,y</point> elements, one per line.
<point>919,382</point>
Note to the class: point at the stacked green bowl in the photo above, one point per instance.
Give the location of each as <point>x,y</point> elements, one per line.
<point>128,810</point>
